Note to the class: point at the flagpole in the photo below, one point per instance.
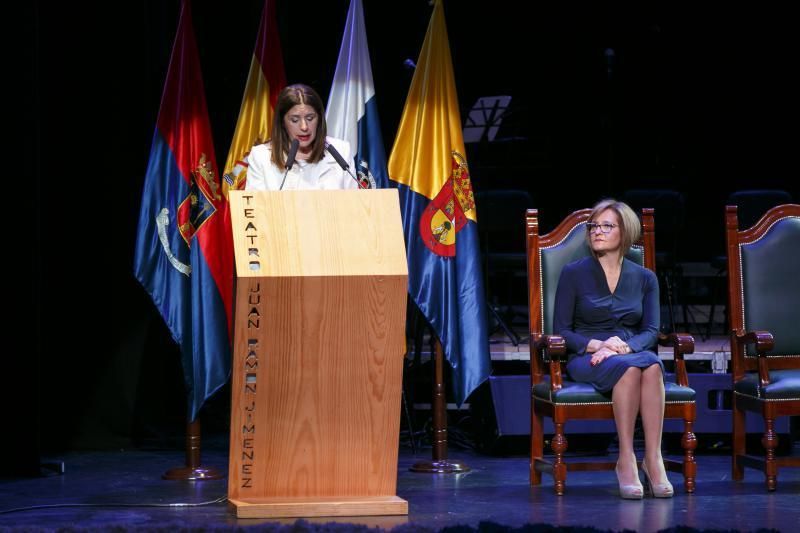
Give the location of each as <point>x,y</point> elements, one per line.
<point>439,463</point>
<point>184,248</point>
<point>193,471</point>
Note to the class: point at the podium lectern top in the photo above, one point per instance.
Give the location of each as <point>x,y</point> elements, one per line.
<point>323,233</point>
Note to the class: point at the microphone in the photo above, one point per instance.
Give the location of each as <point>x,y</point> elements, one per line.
<point>290,160</point>
<point>342,163</point>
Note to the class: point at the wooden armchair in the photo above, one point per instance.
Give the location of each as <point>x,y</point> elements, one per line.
<point>555,396</point>
<point>763,292</point>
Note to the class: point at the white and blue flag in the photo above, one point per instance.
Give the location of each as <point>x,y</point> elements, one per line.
<point>352,113</point>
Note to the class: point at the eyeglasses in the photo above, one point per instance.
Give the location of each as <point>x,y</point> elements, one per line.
<point>605,227</point>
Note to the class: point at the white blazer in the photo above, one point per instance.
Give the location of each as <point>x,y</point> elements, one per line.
<point>262,175</point>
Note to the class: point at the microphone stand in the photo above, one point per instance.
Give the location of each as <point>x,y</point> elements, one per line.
<point>290,161</point>
<point>342,163</point>
<point>284,178</point>
<point>360,186</point>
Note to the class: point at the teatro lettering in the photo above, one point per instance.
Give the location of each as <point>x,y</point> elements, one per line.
<point>251,235</point>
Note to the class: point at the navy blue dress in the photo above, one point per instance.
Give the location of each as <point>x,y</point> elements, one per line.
<point>586,309</point>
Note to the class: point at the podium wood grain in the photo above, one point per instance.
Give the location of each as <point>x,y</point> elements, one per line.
<point>319,342</point>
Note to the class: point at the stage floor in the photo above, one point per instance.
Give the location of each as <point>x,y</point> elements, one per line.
<point>105,490</point>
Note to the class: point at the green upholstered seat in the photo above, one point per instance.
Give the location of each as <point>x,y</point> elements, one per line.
<point>763,296</point>
<point>783,385</point>
<point>582,393</point>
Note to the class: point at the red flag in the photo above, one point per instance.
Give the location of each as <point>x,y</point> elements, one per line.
<point>184,251</point>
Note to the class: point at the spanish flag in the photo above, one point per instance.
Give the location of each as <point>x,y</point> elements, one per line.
<point>264,83</point>
<point>428,164</point>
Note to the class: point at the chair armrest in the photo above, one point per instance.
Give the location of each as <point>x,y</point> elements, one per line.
<point>553,349</point>
<point>682,344</point>
<point>764,342</point>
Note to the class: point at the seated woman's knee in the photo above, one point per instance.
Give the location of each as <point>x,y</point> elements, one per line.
<point>653,372</point>
<point>632,373</point>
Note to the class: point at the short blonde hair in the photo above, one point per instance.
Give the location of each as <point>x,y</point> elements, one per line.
<point>630,228</point>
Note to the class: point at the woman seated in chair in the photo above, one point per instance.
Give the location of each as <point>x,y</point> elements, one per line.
<point>607,310</point>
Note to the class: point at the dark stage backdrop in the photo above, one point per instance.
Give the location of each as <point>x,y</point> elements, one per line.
<point>690,96</point>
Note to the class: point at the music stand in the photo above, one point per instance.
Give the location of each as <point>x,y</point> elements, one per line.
<point>484,118</point>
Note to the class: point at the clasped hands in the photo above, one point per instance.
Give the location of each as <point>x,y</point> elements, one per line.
<point>607,348</point>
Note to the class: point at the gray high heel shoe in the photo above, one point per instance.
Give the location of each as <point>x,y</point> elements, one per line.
<point>658,490</point>
<point>633,491</point>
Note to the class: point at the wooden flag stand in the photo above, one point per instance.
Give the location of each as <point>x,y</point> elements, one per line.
<point>439,464</point>
<point>319,342</point>
<point>193,471</point>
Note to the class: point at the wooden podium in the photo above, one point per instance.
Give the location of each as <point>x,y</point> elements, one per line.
<point>319,341</point>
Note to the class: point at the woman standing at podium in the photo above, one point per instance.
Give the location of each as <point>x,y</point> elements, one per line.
<point>298,155</point>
